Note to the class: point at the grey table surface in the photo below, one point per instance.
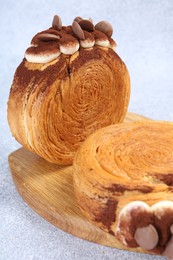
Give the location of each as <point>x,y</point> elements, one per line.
<point>144,33</point>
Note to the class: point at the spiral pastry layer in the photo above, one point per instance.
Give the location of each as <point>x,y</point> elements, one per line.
<point>70,83</point>
<point>123,180</point>
<point>53,107</point>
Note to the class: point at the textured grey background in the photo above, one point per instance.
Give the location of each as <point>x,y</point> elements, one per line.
<point>143,31</point>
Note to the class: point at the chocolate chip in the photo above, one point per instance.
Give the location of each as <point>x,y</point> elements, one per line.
<point>147,237</point>
<point>87,25</point>
<point>104,27</point>
<point>77,30</point>
<point>78,19</point>
<point>57,23</point>
<point>48,37</point>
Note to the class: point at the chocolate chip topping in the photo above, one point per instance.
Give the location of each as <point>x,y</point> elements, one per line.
<point>147,237</point>
<point>68,38</point>
<point>77,30</point>
<point>87,25</point>
<point>57,23</point>
<point>104,27</point>
<point>48,37</point>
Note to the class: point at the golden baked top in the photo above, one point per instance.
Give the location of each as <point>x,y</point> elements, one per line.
<point>49,44</point>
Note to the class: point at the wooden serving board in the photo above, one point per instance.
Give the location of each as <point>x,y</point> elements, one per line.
<point>48,189</point>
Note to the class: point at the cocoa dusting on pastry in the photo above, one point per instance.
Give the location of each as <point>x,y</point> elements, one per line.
<point>53,71</point>
<point>85,56</point>
<point>99,35</point>
<point>31,79</point>
<point>122,188</point>
<point>36,39</point>
<point>107,214</point>
<point>67,39</point>
<point>53,31</point>
<point>88,36</point>
<point>68,30</point>
<point>95,53</point>
<point>45,47</point>
<point>50,74</point>
<point>167,178</point>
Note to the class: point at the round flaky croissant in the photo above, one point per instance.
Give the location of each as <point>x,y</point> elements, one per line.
<point>123,180</point>
<point>70,83</point>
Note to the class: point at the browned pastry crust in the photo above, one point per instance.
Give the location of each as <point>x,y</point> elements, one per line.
<point>70,83</point>
<point>123,180</point>
<point>53,107</point>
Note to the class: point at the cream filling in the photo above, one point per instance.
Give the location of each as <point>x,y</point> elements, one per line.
<point>41,58</point>
<point>103,43</point>
<point>87,43</point>
<point>67,49</point>
<point>70,49</point>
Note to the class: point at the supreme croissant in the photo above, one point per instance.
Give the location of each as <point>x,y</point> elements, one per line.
<point>123,179</point>
<point>70,83</point>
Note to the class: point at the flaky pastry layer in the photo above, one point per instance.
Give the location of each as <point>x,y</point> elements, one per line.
<point>123,180</point>
<point>53,107</point>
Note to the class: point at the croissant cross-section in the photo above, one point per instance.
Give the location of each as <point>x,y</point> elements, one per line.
<point>126,170</point>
